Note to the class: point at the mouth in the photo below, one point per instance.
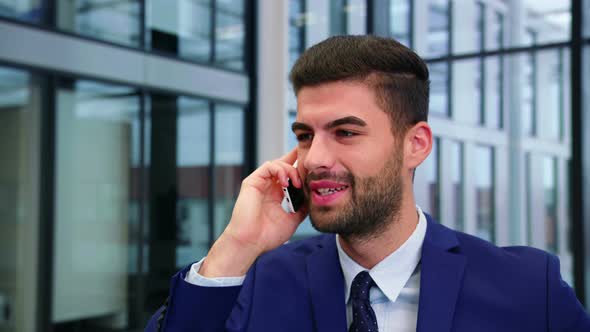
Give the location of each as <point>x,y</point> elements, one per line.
<point>324,193</point>
<point>329,191</point>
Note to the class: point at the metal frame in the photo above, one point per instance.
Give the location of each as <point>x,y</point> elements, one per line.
<point>47,206</point>
<point>580,162</point>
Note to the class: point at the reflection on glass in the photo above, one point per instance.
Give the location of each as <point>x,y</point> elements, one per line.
<point>20,106</point>
<point>184,28</point>
<point>550,203</point>
<point>484,164</point>
<point>114,21</point>
<point>550,19</point>
<point>23,10</point>
<point>324,18</point>
<point>432,168</point>
<point>96,132</point>
<point>192,175</point>
<point>494,96</point>
<point>439,88</point>
<point>296,30</point>
<point>181,27</point>
<point>469,84</point>
<point>457,184</point>
<point>438,28</point>
<point>528,198</point>
<point>529,94</point>
<point>400,20</point>
<point>230,32</point>
<point>355,13</point>
<point>480,26</point>
<point>551,103</point>
<point>496,31</point>
<point>229,161</point>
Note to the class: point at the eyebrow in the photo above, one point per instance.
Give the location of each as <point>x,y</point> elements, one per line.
<point>350,120</point>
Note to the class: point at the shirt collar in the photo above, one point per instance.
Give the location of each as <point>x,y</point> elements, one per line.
<point>394,271</point>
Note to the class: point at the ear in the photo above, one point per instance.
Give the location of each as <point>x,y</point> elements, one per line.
<point>417,145</point>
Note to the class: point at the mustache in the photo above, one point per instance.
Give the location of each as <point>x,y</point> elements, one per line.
<point>343,177</point>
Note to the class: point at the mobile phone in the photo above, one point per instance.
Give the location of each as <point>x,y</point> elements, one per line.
<point>293,196</point>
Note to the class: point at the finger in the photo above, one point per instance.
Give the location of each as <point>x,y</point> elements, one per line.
<point>292,173</point>
<point>271,170</point>
<point>290,157</point>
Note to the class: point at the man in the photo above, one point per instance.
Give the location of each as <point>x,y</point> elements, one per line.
<point>383,264</point>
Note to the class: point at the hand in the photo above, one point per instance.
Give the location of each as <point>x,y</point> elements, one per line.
<point>258,223</point>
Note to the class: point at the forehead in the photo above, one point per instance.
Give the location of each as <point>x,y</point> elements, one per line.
<point>329,101</point>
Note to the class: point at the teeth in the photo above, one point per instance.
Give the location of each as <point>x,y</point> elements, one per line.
<point>329,191</point>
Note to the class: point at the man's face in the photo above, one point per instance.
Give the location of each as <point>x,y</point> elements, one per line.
<point>349,160</point>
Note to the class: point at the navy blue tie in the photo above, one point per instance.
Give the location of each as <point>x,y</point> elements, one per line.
<point>363,316</point>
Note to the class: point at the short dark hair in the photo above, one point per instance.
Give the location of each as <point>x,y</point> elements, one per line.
<point>397,75</point>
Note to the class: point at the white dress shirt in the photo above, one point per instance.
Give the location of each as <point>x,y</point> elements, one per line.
<point>394,300</point>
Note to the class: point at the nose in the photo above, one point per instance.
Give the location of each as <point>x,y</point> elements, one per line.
<point>318,155</point>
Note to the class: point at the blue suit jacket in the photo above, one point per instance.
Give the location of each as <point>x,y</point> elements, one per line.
<point>466,284</point>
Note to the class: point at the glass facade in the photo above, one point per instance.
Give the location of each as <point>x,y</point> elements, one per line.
<point>438,38</point>
<point>550,203</point>
<point>114,21</point>
<point>97,132</point>
<point>457,183</point>
<point>20,144</point>
<point>32,11</point>
<point>400,21</point>
<point>139,175</point>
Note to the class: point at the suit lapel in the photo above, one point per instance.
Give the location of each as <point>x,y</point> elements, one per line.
<point>326,284</point>
<point>441,278</point>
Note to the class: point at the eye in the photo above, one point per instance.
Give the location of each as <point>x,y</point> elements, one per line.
<point>345,133</point>
<point>304,137</point>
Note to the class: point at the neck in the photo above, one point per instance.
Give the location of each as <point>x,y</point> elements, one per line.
<point>368,252</point>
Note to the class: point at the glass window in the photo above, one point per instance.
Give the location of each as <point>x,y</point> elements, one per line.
<point>432,166</point>
<point>20,109</point>
<point>23,10</point>
<point>400,20</point>
<point>468,37</point>
<point>185,28</point>
<point>427,183</point>
<point>296,30</point>
<point>494,92</point>
<point>485,192</point>
<point>457,184</point>
<point>550,203</point>
<point>529,94</point>
<point>586,17</point>
<point>439,88</point>
<point>229,162</point>
<point>96,139</point>
<point>230,32</point>
<point>480,26</point>
<point>468,97</point>
<point>438,28</point>
<point>192,140</point>
<point>356,17</point>
<point>550,19</point>
<point>528,197</point>
<point>114,21</point>
<point>551,93</point>
<point>181,27</point>
<point>324,18</point>
<point>496,31</point>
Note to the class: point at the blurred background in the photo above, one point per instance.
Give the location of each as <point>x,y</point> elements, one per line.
<point>126,127</point>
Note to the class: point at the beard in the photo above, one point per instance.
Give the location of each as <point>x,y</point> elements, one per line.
<point>375,202</point>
